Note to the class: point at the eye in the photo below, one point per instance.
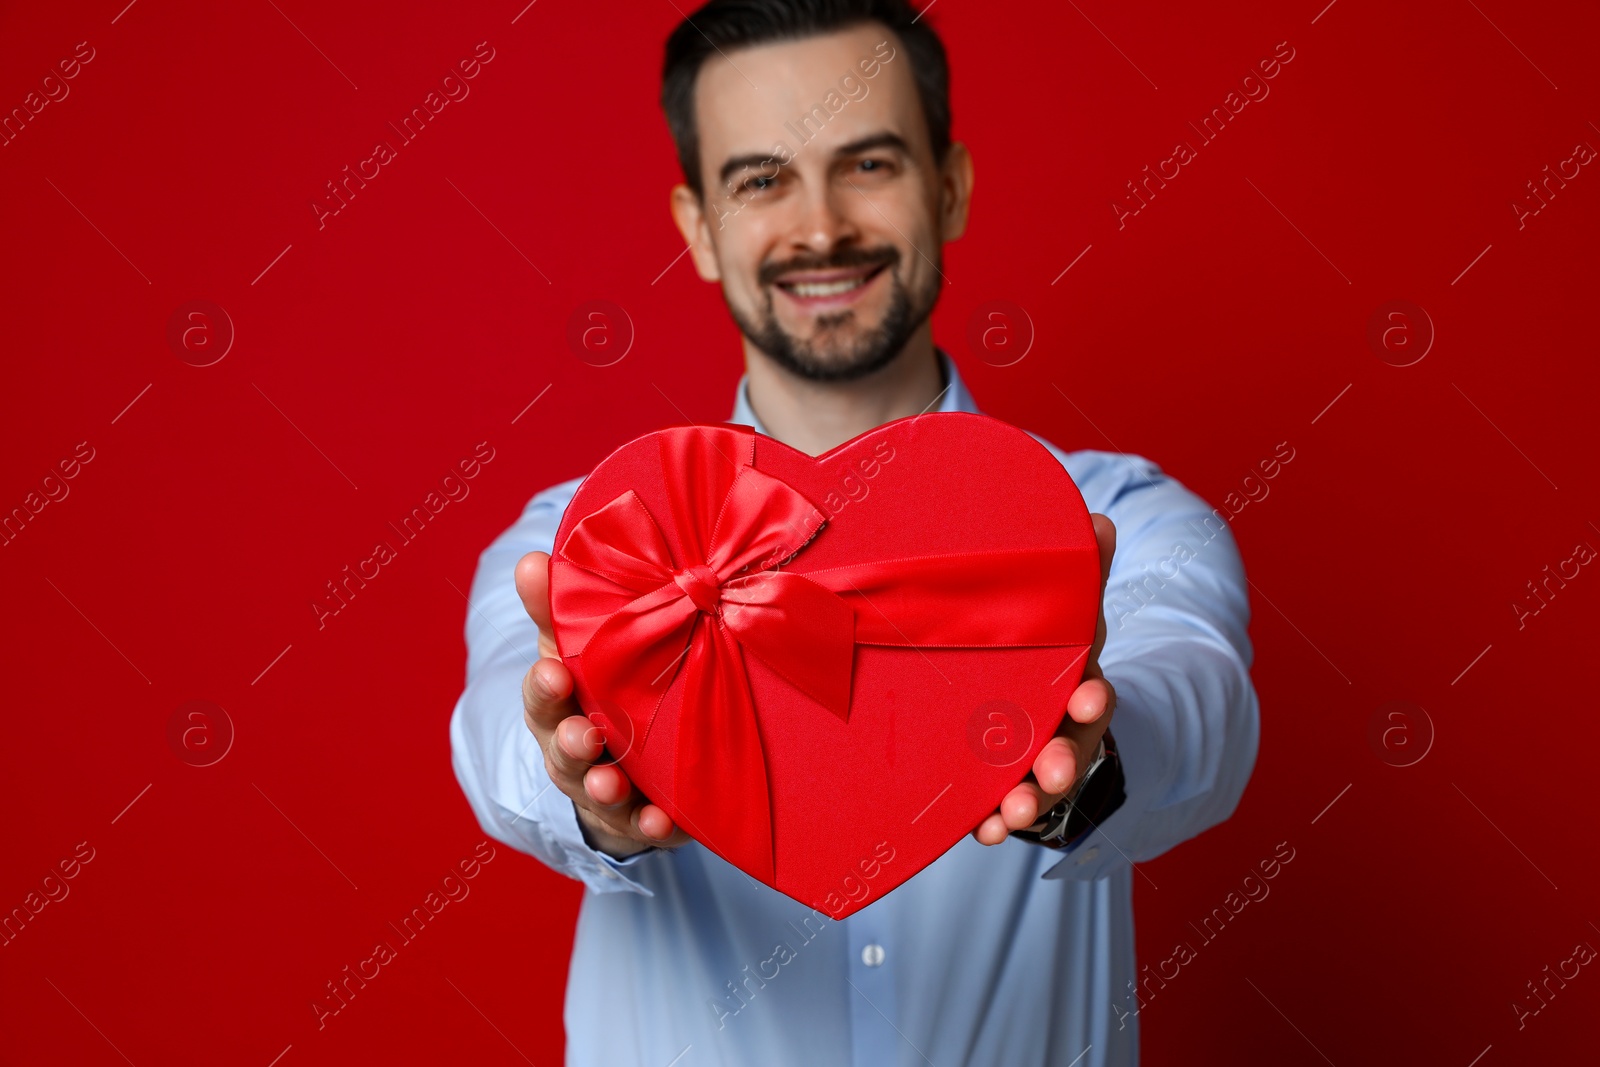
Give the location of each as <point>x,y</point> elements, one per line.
<point>758,183</point>
<point>875,166</point>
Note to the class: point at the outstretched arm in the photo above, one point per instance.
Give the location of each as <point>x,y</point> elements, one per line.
<point>522,749</point>
<point>1177,657</point>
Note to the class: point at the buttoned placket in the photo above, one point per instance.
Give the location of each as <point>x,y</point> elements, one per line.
<point>870,966</point>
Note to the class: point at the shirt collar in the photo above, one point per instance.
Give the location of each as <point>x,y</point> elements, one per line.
<point>955,398</point>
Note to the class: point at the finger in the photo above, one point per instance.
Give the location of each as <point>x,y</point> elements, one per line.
<point>608,786</point>
<point>606,795</point>
<point>1092,699</point>
<point>656,826</point>
<point>637,819</point>
<point>580,739</point>
<point>1056,766</point>
<point>1088,705</point>
<point>547,697</point>
<point>532,579</point>
<point>1022,806</point>
<point>992,830</point>
<point>1105,537</point>
<point>603,822</point>
<point>568,754</point>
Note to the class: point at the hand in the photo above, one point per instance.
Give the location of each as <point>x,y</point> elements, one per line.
<point>616,817</point>
<point>1068,753</point>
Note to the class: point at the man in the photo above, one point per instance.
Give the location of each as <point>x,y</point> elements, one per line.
<point>821,184</point>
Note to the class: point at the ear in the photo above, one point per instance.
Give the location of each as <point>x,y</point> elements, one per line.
<point>690,217</point>
<point>955,192</point>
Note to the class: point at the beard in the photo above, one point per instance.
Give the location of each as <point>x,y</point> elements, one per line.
<point>827,357</point>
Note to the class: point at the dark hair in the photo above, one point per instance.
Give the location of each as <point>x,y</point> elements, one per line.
<point>722,25</point>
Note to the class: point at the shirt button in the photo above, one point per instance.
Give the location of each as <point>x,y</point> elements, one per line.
<point>607,871</point>
<point>1088,854</point>
<point>872,955</point>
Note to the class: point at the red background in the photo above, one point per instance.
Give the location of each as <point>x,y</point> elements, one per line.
<point>373,354</point>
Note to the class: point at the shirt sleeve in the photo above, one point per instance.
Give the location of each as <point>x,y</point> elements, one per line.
<point>496,758</point>
<point>1187,718</point>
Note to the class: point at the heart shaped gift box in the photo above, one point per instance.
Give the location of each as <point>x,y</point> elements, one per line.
<point>827,669</point>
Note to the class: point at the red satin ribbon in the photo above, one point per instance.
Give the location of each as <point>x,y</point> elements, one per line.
<point>644,603</point>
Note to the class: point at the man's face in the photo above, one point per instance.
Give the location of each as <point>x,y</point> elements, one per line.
<point>824,212</point>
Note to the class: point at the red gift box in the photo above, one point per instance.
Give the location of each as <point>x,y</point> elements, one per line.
<point>827,669</point>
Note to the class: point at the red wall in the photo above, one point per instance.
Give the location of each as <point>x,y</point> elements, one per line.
<point>379,349</point>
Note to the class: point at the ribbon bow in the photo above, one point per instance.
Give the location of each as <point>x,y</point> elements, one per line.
<point>645,605</point>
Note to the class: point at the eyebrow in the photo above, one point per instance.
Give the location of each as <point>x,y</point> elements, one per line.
<point>875,140</point>
<point>753,160</point>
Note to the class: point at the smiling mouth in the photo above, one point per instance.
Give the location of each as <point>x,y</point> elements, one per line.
<point>831,285</point>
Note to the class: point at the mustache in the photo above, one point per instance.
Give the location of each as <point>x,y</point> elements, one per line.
<point>844,259</point>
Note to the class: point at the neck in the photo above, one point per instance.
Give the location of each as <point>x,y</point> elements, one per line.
<point>814,417</point>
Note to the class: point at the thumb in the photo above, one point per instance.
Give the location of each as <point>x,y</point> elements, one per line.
<point>532,577</point>
<point>1105,536</point>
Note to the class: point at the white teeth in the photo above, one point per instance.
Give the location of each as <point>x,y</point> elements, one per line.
<point>827,288</point>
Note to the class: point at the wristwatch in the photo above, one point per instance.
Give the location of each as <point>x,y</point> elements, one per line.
<point>1098,793</point>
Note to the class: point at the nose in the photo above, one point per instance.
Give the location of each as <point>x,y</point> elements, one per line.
<point>825,221</point>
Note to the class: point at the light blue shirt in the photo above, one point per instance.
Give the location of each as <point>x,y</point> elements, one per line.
<point>1007,956</point>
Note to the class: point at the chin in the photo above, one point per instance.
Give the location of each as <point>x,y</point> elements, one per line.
<point>835,364</point>
<point>836,346</point>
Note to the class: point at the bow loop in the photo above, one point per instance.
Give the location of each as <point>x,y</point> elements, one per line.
<point>621,541</point>
<point>763,522</point>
